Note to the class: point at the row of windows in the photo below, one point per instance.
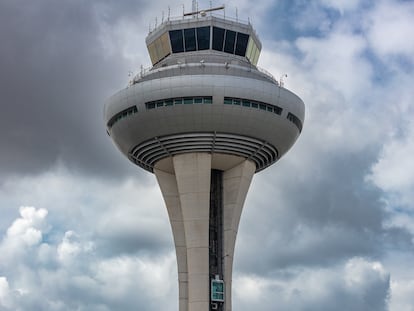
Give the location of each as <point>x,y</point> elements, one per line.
<point>198,39</point>
<point>179,101</point>
<point>123,114</point>
<point>263,106</point>
<point>230,41</point>
<point>205,100</point>
<point>203,38</point>
<point>190,39</point>
<point>291,117</point>
<point>252,104</point>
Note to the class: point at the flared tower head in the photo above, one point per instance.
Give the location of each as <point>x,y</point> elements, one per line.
<point>204,93</point>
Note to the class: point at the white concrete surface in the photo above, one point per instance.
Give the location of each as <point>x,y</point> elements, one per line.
<point>186,190</point>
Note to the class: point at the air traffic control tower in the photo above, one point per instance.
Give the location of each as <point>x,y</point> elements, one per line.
<point>204,119</point>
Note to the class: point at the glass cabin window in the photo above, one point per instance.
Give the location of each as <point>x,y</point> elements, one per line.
<point>188,100</point>
<point>277,110</point>
<point>177,43</point>
<point>230,40</point>
<point>246,103</point>
<point>218,38</point>
<point>203,38</point>
<point>190,39</point>
<point>241,44</point>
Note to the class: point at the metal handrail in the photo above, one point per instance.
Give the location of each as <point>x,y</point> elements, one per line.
<point>148,70</point>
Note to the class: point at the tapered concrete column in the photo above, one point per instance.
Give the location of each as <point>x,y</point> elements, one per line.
<point>186,191</point>
<point>169,190</point>
<point>236,183</point>
<point>192,172</point>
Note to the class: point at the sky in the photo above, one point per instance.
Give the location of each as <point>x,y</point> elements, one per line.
<point>328,227</point>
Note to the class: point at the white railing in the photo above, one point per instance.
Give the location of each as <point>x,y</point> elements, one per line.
<point>267,73</point>
<point>145,71</point>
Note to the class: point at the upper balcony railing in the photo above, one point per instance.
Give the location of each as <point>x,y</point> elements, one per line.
<point>145,71</point>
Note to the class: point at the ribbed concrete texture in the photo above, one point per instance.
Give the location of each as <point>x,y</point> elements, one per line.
<point>186,193</point>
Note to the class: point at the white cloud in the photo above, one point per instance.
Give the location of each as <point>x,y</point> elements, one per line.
<point>330,288</point>
<point>342,5</point>
<point>25,228</point>
<point>69,249</point>
<point>402,295</point>
<point>24,234</point>
<point>389,28</point>
<point>5,295</point>
<point>394,170</point>
<point>69,273</point>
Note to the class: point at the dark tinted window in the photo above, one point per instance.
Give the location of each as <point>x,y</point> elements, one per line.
<point>277,110</point>
<point>203,38</point>
<point>190,39</point>
<point>291,117</point>
<point>241,44</point>
<point>218,38</point>
<point>230,40</point>
<point>188,100</point>
<point>177,44</point>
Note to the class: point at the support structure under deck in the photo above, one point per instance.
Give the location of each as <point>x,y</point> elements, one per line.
<point>204,203</point>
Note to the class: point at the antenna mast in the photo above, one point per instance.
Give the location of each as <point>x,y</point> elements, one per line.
<point>203,12</point>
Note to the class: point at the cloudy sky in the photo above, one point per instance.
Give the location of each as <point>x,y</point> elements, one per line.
<point>329,227</point>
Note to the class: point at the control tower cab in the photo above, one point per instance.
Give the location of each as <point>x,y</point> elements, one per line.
<point>204,119</point>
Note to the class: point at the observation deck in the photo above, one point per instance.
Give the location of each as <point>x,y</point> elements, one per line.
<point>204,93</point>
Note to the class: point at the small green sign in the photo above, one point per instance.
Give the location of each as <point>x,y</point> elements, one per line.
<point>217,290</point>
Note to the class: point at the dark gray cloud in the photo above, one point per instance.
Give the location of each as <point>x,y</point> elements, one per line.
<point>328,214</point>
<point>55,76</point>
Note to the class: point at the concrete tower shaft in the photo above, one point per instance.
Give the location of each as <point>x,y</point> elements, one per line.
<point>204,119</point>
<point>186,193</point>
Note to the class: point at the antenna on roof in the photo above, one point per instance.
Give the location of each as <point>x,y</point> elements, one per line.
<point>281,81</point>
<point>203,12</point>
<point>193,6</point>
